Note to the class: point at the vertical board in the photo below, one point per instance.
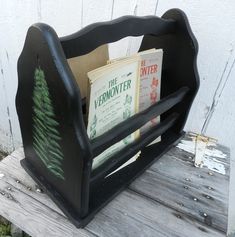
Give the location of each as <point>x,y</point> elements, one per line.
<point>96,11</point>
<point>64,16</point>
<point>16,17</point>
<point>5,143</point>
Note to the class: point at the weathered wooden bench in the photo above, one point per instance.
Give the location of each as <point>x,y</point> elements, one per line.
<point>172,198</point>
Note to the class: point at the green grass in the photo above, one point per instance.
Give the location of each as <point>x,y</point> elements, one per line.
<point>5,230</point>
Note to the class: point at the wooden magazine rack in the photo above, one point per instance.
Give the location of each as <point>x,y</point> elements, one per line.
<point>58,153</point>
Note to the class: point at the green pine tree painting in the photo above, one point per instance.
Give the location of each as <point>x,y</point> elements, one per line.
<point>46,136</point>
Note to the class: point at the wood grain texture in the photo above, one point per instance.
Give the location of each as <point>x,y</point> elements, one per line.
<point>23,182</point>
<point>11,44</point>
<point>129,214</point>
<point>176,183</point>
<point>133,215</point>
<point>32,216</point>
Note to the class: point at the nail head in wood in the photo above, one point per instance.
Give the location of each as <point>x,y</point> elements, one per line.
<point>39,190</point>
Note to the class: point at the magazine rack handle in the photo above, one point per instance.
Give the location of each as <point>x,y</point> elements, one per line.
<point>94,35</point>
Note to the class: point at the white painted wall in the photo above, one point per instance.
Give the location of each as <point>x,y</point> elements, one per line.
<point>212,21</point>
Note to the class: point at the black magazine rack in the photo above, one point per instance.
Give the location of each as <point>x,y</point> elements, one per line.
<point>58,153</point>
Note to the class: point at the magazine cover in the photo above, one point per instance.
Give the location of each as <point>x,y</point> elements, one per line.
<point>114,97</point>
<point>150,82</point>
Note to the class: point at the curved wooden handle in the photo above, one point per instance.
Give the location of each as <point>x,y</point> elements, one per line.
<point>94,35</point>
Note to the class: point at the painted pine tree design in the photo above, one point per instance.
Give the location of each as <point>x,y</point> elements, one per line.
<point>45,133</point>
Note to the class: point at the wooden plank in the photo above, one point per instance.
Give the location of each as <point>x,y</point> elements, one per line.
<point>32,216</point>
<point>133,215</point>
<point>16,176</point>
<point>216,157</point>
<point>128,215</point>
<point>176,183</point>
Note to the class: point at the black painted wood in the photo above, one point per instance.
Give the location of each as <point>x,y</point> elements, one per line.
<point>58,152</point>
<point>94,35</point>
<point>130,150</point>
<point>135,122</point>
<point>179,62</point>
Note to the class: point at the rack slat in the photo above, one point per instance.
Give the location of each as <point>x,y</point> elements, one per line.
<point>123,129</point>
<point>130,150</point>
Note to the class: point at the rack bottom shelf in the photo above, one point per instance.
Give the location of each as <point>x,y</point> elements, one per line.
<point>112,185</point>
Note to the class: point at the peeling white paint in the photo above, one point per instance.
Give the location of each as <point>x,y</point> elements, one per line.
<point>210,156</point>
<point>214,164</point>
<point>188,146</point>
<point>215,153</point>
<point>200,147</point>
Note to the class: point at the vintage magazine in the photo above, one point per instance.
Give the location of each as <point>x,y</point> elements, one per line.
<point>114,97</point>
<point>150,82</point>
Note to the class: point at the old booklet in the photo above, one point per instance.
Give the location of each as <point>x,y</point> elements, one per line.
<point>114,97</point>
<point>150,82</point>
